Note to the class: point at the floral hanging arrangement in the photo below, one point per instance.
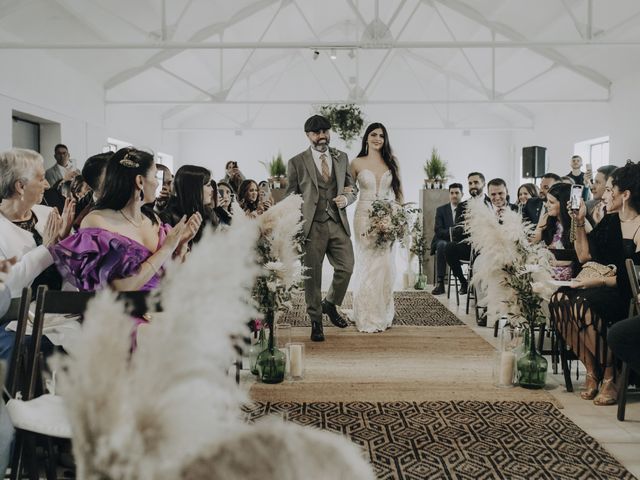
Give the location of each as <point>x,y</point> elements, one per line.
<point>346,120</point>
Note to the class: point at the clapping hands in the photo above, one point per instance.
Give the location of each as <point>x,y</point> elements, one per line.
<point>5,266</point>
<point>183,232</point>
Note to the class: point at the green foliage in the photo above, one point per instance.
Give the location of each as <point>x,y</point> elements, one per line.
<point>276,167</point>
<point>346,120</point>
<point>435,167</point>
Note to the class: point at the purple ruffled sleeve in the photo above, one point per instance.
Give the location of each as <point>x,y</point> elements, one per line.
<point>93,257</point>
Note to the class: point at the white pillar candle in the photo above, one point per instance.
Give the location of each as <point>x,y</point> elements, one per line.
<point>507,361</point>
<point>295,359</point>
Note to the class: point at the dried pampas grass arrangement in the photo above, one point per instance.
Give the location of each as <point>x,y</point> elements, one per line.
<point>169,411</point>
<point>514,274</point>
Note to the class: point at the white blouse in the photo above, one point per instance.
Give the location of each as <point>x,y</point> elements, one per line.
<point>32,260</point>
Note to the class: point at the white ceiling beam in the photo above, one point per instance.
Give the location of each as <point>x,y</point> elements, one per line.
<point>171,46</point>
<point>200,36</point>
<point>357,13</point>
<point>528,81</point>
<point>183,80</point>
<point>589,19</point>
<point>9,7</point>
<point>576,23</point>
<point>487,128</point>
<point>368,102</point>
<point>466,82</point>
<point>396,13</point>
<point>515,37</point>
<point>464,54</point>
<point>632,19</point>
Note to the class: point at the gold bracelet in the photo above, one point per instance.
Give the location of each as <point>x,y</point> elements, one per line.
<point>155,270</point>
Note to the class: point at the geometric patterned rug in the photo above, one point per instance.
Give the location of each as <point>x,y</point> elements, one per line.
<point>415,308</point>
<point>458,439</point>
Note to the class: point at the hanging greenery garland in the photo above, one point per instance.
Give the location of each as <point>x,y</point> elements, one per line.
<point>346,120</point>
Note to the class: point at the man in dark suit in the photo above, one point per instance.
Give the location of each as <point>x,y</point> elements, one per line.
<point>534,206</point>
<point>444,221</point>
<point>459,249</point>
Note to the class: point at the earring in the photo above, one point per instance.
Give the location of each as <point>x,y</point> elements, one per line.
<point>141,195</point>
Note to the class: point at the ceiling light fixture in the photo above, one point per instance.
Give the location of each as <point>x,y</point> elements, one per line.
<point>333,55</point>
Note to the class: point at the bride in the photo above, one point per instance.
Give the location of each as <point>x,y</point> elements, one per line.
<point>376,171</point>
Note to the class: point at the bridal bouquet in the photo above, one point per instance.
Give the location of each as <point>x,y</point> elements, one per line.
<point>388,222</point>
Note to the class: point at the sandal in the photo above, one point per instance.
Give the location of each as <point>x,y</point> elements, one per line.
<point>607,398</point>
<point>590,393</point>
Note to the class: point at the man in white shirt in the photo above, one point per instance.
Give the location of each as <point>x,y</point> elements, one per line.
<point>62,171</point>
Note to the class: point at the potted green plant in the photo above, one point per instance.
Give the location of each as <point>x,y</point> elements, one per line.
<point>277,171</point>
<point>346,120</point>
<point>435,169</point>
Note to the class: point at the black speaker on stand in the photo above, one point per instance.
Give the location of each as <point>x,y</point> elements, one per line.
<point>534,164</point>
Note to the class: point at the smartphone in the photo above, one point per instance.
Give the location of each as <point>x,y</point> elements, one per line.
<point>160,179</point>
<point>576,196</point>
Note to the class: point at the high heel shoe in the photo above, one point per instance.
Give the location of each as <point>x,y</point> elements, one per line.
<point>590,393</point>
<point>606,398</point>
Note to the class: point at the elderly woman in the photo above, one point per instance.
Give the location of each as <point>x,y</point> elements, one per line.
<point>27,228</point>
<point>121,244</point>
<point>584,312</point>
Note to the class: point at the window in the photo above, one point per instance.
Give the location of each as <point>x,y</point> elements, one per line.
<point>594,151</point>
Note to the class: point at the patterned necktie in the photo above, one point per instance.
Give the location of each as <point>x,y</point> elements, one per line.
<point>325,167</point>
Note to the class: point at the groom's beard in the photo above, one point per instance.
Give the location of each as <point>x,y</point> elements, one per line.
<point>321,146</point>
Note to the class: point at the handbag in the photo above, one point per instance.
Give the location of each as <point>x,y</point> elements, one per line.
<point>596,270</point>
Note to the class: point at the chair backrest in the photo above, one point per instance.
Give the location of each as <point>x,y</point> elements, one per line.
<point>633,271</point>
<point>17,365</point>
<point>57,302</point>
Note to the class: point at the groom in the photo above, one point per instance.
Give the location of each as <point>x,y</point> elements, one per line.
<point>321,175</point>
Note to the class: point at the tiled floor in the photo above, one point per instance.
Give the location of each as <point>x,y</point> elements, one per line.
<point>621,439</point>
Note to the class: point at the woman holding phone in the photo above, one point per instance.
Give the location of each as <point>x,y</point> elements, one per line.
<point>583,312</point>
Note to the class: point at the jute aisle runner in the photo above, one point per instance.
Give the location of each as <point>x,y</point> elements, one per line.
<point>421,403</point>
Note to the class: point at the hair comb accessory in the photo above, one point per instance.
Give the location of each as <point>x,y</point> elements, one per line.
<point>128,162</point>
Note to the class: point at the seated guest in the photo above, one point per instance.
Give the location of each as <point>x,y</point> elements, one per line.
<point>595,206</point>
<point>93,174</point>
<point>525,192</point>
<point>499,195</point>
<point>193,193</point>
<point>534,206</point>
<point>553,228</point>
<point>459,249</point>
<point>224,206</point>
<point>623,338</point>
<point>444,221</point>
<point>160,203</point>
<point>583,313</point>
<point>27,229</point>
<point>249,200</point>
<point>121,244</point>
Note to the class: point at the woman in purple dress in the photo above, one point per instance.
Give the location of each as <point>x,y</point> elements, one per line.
<point>121,244</point>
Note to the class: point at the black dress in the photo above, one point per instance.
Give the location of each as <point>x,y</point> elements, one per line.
<point>575,310</point>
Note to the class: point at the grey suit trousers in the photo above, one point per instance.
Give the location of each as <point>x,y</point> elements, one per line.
<point>326,238</point>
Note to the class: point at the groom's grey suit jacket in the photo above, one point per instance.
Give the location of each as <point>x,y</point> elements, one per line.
<point>303,179</point>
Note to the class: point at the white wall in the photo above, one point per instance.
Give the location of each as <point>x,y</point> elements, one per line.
<point>488,152</point>
<point>40,85</point>
<point>559,127</point>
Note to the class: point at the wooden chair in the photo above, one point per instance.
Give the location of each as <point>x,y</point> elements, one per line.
<point>633,271</point>
<point>38,415</point>
<point>452,279</point>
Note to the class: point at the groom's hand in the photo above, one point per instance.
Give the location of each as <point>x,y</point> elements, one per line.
<point>340,201</point>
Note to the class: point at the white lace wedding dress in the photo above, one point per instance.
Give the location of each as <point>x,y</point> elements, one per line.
<point>375,269</point>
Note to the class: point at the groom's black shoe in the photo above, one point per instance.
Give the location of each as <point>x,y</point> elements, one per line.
<point>317,335</point>
<point>330,309</point>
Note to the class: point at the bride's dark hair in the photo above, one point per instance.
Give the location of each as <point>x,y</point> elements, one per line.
<point>387,156</point>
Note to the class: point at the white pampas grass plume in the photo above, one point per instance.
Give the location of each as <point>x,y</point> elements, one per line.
<point>280,225</point>
<point>140,419</point>
<point>500,243</point>
<point>277,450</point>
